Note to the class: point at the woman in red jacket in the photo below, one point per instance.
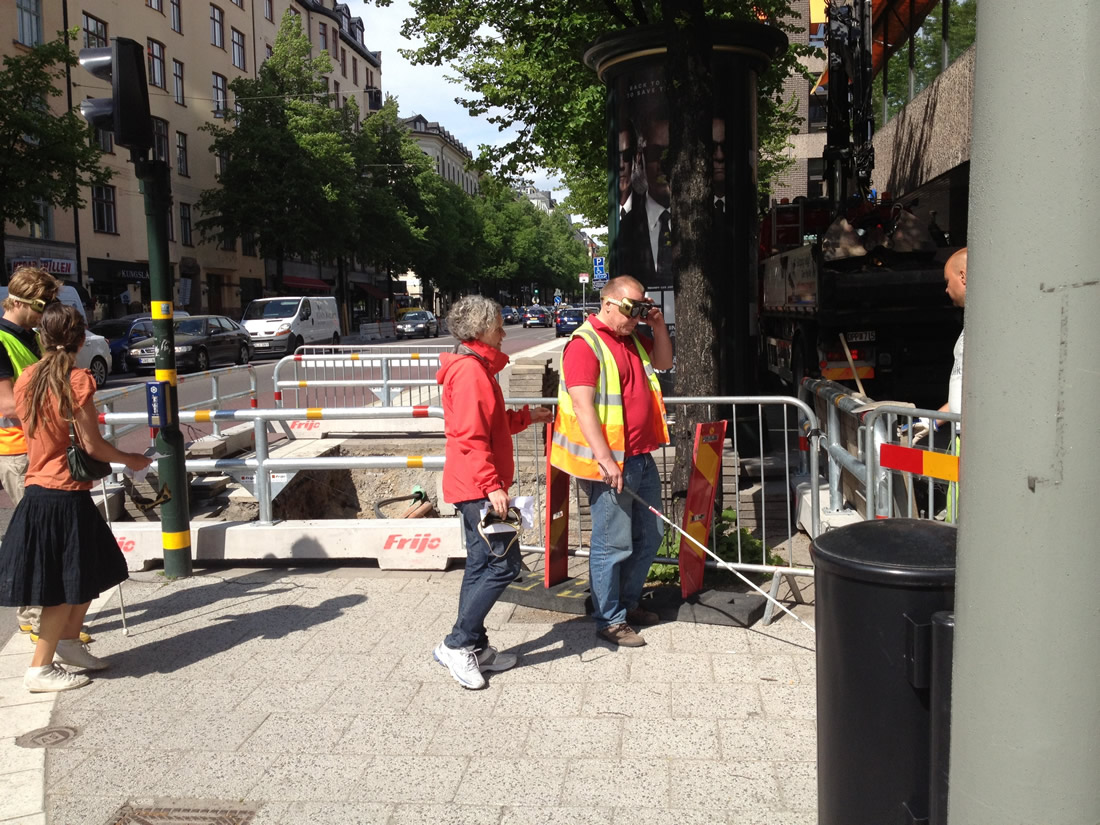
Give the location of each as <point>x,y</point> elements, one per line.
<point>476,477</point>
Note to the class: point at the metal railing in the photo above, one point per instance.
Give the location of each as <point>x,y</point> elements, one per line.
<point>356,378</point>
<point>107,400</point>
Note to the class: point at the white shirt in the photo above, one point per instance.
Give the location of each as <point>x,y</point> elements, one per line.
<point>955,384</point>
<point>653,212</point>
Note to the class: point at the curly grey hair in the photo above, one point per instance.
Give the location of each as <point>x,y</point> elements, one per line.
<point>471,316</point>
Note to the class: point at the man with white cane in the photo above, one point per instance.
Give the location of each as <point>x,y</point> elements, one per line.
<point>610,419</point>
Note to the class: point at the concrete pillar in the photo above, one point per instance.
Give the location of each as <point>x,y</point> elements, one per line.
<point>1025,738</point>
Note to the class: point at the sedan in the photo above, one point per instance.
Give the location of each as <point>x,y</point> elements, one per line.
<point>418,322</point>
<point>124,331</point>
<point>510,315</point>
<point>536,317</point>
<point>568,320</point>
<point>201,341</point>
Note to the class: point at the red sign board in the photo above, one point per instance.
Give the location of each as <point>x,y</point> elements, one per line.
<point>706,474</point>
<point>556,521</point>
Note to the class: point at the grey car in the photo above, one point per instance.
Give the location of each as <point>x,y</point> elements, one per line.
<point>420,323</point>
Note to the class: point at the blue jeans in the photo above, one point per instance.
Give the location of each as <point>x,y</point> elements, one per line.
<point>488,571</point>
<point>625,538</point>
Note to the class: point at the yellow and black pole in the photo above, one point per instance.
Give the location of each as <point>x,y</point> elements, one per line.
<point>125,114</point>
<point>175,514</point>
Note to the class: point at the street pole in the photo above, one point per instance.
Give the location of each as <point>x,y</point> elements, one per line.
<point>1025,713</point>
<point>175,517</point>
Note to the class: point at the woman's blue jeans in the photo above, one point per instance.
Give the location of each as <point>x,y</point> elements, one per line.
<point>625,538</point>
<point>489,569</point>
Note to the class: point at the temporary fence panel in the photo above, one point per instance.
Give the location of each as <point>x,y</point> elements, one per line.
<point>357,379</point>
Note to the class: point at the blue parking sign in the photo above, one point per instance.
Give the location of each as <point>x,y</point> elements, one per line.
<point>598,270</point>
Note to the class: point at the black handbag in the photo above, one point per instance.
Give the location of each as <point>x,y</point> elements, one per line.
<point>82,467</point>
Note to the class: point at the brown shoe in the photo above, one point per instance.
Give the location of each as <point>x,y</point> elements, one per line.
<point>642,617</point>
<point>621,634</point>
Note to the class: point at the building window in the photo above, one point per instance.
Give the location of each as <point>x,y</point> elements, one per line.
<point>177,16</point>
<point>177,82</point>
<point>228,245</point>
<point>105,141</point>
<point>171,225</point>
<point>296,13</point>
<point>103,209</point>
<point>268,50</point>
<point>95,32</point>
<point>181,154</point>
<point>30,21</point>
<point>43,227</point>
<point>238,49</point>
<point>354,70</point>
<point>238,3</point>
<point>221,96</point>
<point>221,160</point>
<point>156,63</point>
<point>217,27</point>
<point>160,139</point>
<point>248,246</point>
<point>155,5</point>
<point>335,95</point>
<point>269,12</point>
<point>322,36</point>
<point>343,61</point>
<point>185,224</point>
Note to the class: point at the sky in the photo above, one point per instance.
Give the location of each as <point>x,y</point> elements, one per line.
<point>424,90</point>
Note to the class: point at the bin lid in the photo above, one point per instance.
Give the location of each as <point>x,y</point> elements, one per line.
<point>902,551</point>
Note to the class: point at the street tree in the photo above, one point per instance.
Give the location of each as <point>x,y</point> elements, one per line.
<point>286,158</point>
<point>522,64</point>
<point>46,159</point>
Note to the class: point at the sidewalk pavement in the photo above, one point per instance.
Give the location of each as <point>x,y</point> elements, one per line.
<point>309,695</point>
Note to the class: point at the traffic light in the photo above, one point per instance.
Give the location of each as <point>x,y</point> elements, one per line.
<point>126,111</point>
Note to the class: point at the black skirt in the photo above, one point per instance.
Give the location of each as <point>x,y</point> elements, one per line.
<point>58,550</point>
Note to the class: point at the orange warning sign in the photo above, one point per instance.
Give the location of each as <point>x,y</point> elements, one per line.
<point>706,472</point>
<point>556,566</point>
<point>920,462</point>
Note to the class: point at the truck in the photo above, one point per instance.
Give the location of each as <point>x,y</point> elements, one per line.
<point>851,285</point>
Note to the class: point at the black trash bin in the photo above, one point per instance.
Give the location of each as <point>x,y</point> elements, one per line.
<point>877,585</point>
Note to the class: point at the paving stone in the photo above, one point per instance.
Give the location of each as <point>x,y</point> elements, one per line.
<point>627,701</point>
<point>382,734</point>
<point>670,667</point>
<point>753,668</point>
<point>716,701</point>
<point>789,701</point>
<point>295,777</point>
<point>797,783</point>
<point>503,736</point>
<point>21,792</point>
<point>526,815</point>
<point>552,735</point>
<point>494,781</point>
<point>725,785</point>
<point>413,779</point>
<point>671,738</point>
<point>409,814</point>
<point>533,699</point>
<point>792,740</point>
<point>304,733</point>
<point>344,813</point>
<point>617,783</point>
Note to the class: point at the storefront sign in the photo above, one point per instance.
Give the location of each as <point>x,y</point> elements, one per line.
<point>62,267</point>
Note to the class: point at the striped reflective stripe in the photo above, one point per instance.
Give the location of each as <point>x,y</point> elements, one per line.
<point>315,413</point>
<point>176,541</point>
<point>166,375</point>
<point>415,461</point>
<point>202,415</point>
<point>920,462</point>
<point>583,450</point>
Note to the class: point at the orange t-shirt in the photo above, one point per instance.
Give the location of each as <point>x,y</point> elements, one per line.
<point>47,465</point>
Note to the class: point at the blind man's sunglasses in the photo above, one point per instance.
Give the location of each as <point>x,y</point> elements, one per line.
<point>37,304</point>
<point>632,309</point>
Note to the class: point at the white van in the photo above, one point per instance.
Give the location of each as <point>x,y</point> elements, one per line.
<point>281,325</point>
<point>95,355</point>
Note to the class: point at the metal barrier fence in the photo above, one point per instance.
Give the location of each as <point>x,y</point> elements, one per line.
<point>357,377</point>
<point>107,400</point>
<point>896,459</point>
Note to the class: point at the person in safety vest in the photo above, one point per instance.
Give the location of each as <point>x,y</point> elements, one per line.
<point>611,416</point>
<point>476,477</point>
<point>30,291</point>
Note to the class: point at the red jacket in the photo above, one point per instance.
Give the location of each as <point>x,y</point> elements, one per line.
<point>479,429</point>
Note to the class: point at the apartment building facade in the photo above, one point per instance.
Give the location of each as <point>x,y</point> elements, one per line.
<point>447,151</point>
<point>195,48</point>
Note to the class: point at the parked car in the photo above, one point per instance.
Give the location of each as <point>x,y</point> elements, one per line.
<point>536,317</point>
<point>201,342</point>
<point>418,322</point>
<point>121,332</point>
<point>281,325</point>
<point>567,321</point>
<point>95,355</point>
<point>510,315</point>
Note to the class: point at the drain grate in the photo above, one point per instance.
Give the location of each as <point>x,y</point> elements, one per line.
<point>201,812</point>
<point>53,737</point>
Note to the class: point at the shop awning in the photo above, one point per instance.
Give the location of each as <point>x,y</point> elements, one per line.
<point>308,284</point>
<point>373,291</point>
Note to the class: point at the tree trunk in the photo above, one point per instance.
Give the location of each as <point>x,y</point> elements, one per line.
<point>698,322</point>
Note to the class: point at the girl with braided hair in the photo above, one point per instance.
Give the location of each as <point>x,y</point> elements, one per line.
<point>58,551</point>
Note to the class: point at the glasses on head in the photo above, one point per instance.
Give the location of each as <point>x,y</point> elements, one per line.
<point>631,308</point>
<point>37,304</point>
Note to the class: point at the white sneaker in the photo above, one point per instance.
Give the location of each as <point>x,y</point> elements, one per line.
<point>463,665</point>
<point>51,678</point>
<point>493,660</point>
<point>72,652</point>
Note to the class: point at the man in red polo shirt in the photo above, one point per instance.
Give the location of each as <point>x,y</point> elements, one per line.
<point>610,419</point>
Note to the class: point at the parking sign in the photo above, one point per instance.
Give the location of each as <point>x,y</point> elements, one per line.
<point>584,277</point>
<point>598,270</point>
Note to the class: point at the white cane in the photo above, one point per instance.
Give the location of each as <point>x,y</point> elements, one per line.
<point>107,516</point>
<point>721,562</point>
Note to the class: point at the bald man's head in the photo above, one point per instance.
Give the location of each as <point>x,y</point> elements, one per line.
<point>954,275</point>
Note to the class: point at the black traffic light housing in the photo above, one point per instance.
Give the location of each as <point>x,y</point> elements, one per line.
<point>126,112</point>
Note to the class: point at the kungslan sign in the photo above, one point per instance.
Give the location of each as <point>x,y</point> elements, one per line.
<point>55,266</point>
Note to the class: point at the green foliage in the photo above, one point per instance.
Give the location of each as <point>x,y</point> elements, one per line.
<point>45,158</point>
<point>726,541</point>
<point>522,61</point>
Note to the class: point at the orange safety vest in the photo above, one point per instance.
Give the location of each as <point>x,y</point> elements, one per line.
<point>569,451</point>
<point>12,439</point>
